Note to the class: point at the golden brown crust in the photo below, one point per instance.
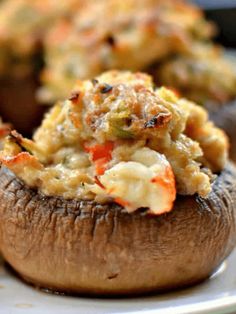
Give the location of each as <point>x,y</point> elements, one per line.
<point>83,247</point>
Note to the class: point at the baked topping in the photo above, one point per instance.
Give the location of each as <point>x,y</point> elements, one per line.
<point>133,144</point>
<point>125,35</point>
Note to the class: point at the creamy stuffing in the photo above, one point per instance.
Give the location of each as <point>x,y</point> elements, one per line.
<point>120,139</point>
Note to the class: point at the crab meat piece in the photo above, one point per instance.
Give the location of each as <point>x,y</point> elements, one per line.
<point>147,180</point>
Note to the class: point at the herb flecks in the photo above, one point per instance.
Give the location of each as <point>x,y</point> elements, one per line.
<point>105,88</point>
<point>159,120</point>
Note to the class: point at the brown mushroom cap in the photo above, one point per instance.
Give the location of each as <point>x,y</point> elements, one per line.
<point>82,247</point>
<point>225,118</point>
<point>18,104</point>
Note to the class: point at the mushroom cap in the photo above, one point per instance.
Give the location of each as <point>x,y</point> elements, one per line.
<point>225,118</point>
<point>75,246</point>
<point>18,103</point>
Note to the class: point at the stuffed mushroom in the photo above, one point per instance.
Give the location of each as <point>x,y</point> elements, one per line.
<point>131,35</point>
<point>124,189</point>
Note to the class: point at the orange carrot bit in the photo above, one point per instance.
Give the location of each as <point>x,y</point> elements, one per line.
<point>100,150</point>
<point>101,155</point>
<point>122,202</point>
<point>99,183</point>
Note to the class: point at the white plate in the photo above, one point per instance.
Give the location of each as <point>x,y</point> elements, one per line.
<point>217,295</point>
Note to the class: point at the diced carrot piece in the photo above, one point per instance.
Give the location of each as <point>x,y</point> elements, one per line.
<point>100,151</point>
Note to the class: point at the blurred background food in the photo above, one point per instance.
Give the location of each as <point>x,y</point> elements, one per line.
<point>46,46</point>
<point>24,24</point>
<point>125,35</point>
